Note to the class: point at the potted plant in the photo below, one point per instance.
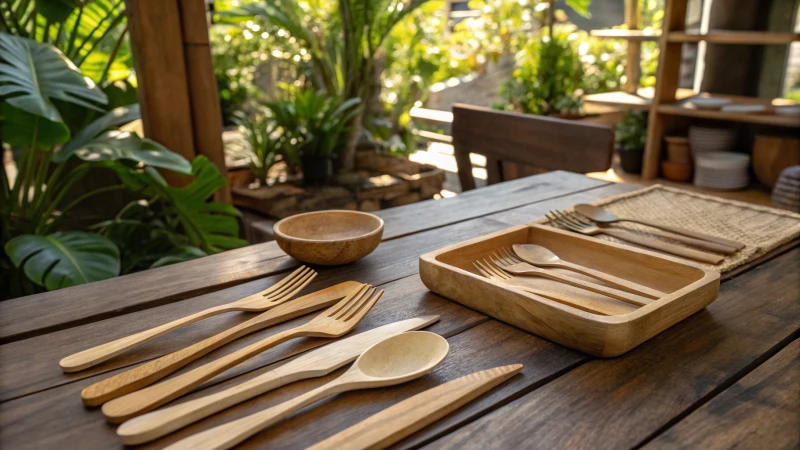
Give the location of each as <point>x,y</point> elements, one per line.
<point>631,136</point>
<point>263,144</point>
<point>315,125</point>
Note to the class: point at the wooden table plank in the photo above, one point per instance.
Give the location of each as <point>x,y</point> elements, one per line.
<point>762,410</point>
<point>28,365</point>
<point>32,365</point>
<point>622,402</point>
<point>487,345</point>
<point>69,307</point>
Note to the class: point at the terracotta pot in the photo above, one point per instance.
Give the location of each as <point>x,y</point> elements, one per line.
<point>772,154</point>
<point>678,149</point>
<point>676,171</point>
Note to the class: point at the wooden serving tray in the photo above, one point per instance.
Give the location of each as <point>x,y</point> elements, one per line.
<point>450,272</point>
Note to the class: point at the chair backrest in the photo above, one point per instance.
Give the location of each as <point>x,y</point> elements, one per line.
<point>544,142</point>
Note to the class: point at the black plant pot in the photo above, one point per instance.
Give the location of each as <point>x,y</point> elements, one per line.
<point>631,159</point>
<point>317,170</point>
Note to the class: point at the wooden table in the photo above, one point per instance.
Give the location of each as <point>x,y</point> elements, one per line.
<point>726,376</point>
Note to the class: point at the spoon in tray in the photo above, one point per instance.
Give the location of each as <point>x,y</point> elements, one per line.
<point>542,257</point>
<point>694,238</point>
<point>392,361</point>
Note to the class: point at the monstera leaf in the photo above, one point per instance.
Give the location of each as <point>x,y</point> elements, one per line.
<point>211,226</point>
<point>65,258</point>
<point>112,119</point>
<point>33,74</point>
<point>115,145</point>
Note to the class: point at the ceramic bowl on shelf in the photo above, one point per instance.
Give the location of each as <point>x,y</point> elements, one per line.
<point>678,149</point>
<point>329,238</point>
<point>676,171</point>
<point>709,102</point>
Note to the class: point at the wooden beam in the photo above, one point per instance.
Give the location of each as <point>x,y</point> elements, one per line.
<point>163,92</point>
<point>633,57</point>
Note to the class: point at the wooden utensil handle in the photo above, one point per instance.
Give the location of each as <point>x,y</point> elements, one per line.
<point>696,255</point>
<point>582,303</point>
<point>228,435</point>
<point>163,421</point>
<point>148,373</point>
<point>698,243</point>
<point>96,355</point>
<point>142,401</point>
<point>694,234</point>
<point>617,282</point>
<point>594,287</point>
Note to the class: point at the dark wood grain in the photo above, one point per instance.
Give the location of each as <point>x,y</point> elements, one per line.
<point>622,401</point>
<point>542,142</point>
<point>484,346</point>
<point>762,410</point>
<point>20,319</point>
<point>27,365</point>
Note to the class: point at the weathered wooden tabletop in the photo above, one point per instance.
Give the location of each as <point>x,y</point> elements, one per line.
<point>725,377</point>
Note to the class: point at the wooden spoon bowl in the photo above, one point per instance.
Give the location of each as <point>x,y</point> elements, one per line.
<point>329,238</point>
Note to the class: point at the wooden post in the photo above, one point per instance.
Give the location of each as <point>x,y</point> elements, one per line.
<point>177,90</point>
<point>633,57</point>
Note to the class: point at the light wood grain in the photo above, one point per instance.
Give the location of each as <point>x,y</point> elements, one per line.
<point>149,373</point>
<point>329,238</point>
<point>449,272</point>
<point>542,257</point>
<point>736,37</point>
<point>334,322</point>
<point>395,360</point>
<point>415,413</point>
<point>271,297</point>
<point>312,364</point>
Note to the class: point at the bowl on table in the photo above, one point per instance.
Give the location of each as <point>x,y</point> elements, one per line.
<point>329,238</point>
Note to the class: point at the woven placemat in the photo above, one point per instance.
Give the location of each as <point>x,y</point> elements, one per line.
<point>762,229</point>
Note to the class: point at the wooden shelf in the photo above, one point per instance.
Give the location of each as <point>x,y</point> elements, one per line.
<point>736,37</point>
<point>623,100</point>
<point>630,35</point>
<point>686,109</point>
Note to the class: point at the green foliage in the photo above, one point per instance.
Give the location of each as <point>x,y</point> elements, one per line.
<point>264,143</point>
<point>41,89</point>
<point>314,122</point>
<point>64,258</point>
<point>631,132</point>
<point>548,78</point>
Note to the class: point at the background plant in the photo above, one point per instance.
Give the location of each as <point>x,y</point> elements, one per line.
<point>40,90</point>
<point>631,132</point>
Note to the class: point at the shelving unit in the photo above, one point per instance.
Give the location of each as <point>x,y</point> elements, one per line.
<point>630,35</point>
<point>665,106</point>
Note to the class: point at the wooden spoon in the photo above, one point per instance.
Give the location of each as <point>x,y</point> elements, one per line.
<point>542,257</point>
<point>697,239</point>
<point>393,361</point>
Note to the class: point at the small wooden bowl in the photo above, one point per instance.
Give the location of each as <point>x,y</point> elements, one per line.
<point>329,238</point>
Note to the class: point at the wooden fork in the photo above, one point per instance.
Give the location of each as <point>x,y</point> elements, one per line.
<point>271,297</point>
<point>508,265</point>
<point>608,307</point>
<point>574,223</point>
<point>334,322</point>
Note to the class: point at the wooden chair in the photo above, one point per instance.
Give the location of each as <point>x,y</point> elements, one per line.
<point>511,139</point>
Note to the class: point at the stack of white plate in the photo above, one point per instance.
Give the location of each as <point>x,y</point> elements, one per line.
<point>721,170</point>
<point>707,139</point>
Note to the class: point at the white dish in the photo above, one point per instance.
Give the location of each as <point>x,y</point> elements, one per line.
<point>709,102</point>
<point>744,108</point>
<point>787,110</point>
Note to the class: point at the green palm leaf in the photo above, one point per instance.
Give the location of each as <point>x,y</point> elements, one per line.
<point>115,145</point>
<point>33,74</point>
<point>65,258</point>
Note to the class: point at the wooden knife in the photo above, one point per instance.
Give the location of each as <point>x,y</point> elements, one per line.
<point>413,414</point>
<point>316,363</point>
<point>148,373</point>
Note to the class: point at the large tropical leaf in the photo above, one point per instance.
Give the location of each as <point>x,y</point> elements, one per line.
<point>112,119</point>
<point>55,11</point>
<point>19,128</point>
<point>65,258</point>
<point>581,7</point>
<point>32,74</point>
<point>181,254</point>
<point>209,225</point>
<point>115,145</point>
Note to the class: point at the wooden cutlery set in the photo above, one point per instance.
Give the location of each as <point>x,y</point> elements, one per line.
<point>384,356</point>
